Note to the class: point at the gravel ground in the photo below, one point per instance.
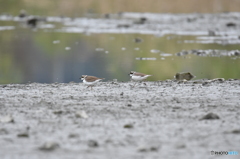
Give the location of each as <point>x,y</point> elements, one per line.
<point>164,119</point>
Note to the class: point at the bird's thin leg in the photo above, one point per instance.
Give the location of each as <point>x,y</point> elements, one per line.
<point>144,82</point>
<point>134,84</point>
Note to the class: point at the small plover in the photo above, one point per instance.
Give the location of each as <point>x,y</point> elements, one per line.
<point>90,81</point>
<point>137,76</point>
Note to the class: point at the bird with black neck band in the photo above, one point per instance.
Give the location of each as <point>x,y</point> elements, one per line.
<point>138,77</point>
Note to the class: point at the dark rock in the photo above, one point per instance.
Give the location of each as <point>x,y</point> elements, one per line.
<point>141,20</point>
<point>128,126</point>
<point>154,148</point>
<point>57,112</point>
<point>231,24</point>
<point>138,40</point>
<point>237,53</point>
<point>24,134</point>
<point>92,143</point>
<point>72,135</point>
<point>142,149</point>
<point>210,116</point>
<point>206,83</point>
<point>32,22</point>
<point>236,131</point>
<point>3,86</point>
<point>129,105</point>
<point>148,149</point>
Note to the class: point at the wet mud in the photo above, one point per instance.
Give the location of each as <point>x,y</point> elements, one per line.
<point>166,119</point>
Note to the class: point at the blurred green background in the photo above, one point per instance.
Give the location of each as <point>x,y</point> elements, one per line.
<point>81,7</point>
<point>28,55</point>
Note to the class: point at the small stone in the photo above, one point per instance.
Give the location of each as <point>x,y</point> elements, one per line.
<point>206,83</point>
<point>237,131</point>
<point>147,148</point>
<point>197,82</point>
<point>92,143</point>
<point>142,149</point>
<point>231,24</point>
<point>3,86</point>
<point>73,135</point>
<point>128,126</point>
<point>138,40</point>
<point>23,134</point>
<point>154,148</point>
<point>129,105</point>
<point>49,146</point>
<point>121,94</point>
<point>81,114</point>
<point>210,116</point>
<point>57,112</point>
<point>218,80</point>
<point>7,119</point>
<point>180,146</point>
<point>237,53</point>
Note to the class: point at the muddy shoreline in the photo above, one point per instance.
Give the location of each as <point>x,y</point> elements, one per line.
<point>115,120</point>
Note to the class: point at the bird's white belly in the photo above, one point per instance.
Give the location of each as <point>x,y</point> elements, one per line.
<point>91,83</point>
<point>139,78</point>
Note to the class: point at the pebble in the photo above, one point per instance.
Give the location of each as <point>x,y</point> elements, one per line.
<point>147,148</point>
<point>93,143</point>
<point>7,119</point>
<point>128,126</point>
<point>210,116</point>
<point>49,146</point>
<point>236,131</point>
<point>57,112</point>
<point>23,134</point>
<point>218,80</point>
<point>72,135</point>
<point>129,105</point>
<point>81,114</point>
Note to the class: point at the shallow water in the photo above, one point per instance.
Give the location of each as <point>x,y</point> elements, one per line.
<point>61,49</point>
